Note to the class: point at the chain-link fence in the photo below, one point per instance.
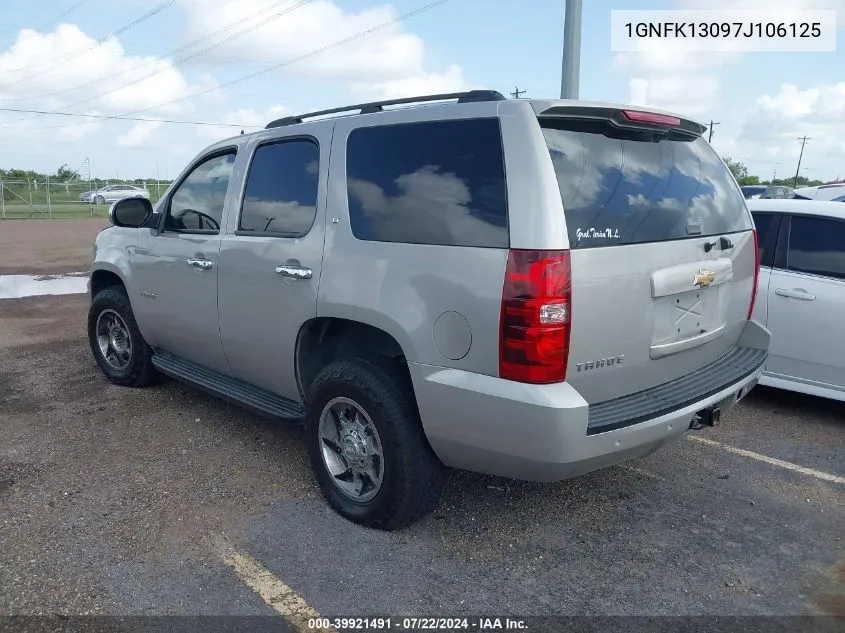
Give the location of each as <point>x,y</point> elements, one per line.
<point>21,199</point>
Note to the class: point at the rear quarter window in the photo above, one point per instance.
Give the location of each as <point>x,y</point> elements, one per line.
<point>627,187</point>
<point>434,182</point>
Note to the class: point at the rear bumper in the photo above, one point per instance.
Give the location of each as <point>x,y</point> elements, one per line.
<point>543,432</point>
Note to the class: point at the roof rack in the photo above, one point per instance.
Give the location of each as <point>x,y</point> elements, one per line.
<point>470,96</point>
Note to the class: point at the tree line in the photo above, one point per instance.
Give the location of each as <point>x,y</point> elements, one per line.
<point>740,172</point>
<point>66,175</point>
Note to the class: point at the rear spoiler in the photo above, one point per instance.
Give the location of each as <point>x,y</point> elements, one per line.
<point>630,118</point>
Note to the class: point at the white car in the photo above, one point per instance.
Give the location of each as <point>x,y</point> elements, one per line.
<point>833,191</point>
<point>801,294</point>
<point>111,193</point>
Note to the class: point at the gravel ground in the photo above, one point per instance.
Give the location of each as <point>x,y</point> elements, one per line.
<point>116,501</point>
<point>47,246</point>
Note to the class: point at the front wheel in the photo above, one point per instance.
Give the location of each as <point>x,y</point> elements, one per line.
<point>116,342</point>
<point>367,447</point>
<point>99,200</point>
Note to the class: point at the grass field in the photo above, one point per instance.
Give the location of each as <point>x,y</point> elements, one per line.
<point>14,211</point>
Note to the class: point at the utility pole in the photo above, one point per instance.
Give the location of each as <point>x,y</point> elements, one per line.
<point>571,62</point>
<point>803,140</point>
<point>712,123</point>
<point>517,92</point>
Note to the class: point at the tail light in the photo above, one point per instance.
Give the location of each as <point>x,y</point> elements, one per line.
<point>651,117</point>
<point>756,275</point>
<point>535,318</point>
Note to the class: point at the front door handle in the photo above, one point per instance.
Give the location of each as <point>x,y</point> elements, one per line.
<point>294,272</point>
<point>202,264</point>
<point>795,293</point>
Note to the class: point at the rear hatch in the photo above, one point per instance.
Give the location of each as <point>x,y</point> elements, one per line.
<point>662,248</point>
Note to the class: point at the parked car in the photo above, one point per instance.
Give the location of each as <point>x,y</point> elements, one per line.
<point>526,288</point>
<point>801,294</point>
<point>830,191</point>
<point>767,191</point>
<point>111,193</point>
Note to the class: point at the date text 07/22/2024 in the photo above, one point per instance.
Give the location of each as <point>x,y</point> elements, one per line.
<point>418,624</point>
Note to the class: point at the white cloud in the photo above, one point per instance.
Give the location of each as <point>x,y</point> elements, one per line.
<point>772,128</point>
<point>68,68</point>
<point>452,80</point>
<point>139,134</point>
<point>691,82</point>
<point>389,53</point>
<point>248,118</point>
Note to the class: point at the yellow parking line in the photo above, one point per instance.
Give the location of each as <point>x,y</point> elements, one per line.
<point>770,460</point>
<point>273,591</point>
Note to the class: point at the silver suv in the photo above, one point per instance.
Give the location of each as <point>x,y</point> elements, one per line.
<point>532,289</point>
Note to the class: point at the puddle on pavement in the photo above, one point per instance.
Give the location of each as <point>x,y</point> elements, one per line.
<point>19,286</point>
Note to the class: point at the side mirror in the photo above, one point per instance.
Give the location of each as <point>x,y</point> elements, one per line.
<point>130,212</point>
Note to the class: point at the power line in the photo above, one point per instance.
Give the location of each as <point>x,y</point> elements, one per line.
<point>176,62</point>
<point>286,63</point>
<point>803,140</point>
<point>64,13</point>
<point>712,123</point>
<point>300,58</point>
<point>75,53</point>
<point>125,118</point>
<point>195,54</point>
<point>517,92</point>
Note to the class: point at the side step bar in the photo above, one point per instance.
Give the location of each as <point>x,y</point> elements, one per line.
<point>228,388</point>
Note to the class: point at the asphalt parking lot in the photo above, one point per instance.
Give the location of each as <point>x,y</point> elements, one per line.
<point>167,501</point>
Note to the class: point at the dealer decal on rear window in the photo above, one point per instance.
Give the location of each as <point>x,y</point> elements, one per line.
<point>608,233</point>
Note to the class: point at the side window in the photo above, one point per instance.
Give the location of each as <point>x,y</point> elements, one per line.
<point>281,189</point>
<point>817,246</point>
<point>197,203</point>
<point>763,222</point>
<point>438,182</point>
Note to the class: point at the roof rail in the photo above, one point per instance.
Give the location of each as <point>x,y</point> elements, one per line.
<point>471,96</point>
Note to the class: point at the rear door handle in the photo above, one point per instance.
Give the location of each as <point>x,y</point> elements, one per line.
<point>294,272</point>
<point>795,293</point>
<point>202,264</point>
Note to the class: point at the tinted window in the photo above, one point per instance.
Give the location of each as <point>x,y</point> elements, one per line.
<point>753,190</point>
<point>197,203</point>
<point>632,187</point>
<point>762,222</point>
<point>281,188</point>
<point>437,182</point>
<point>817,246</point>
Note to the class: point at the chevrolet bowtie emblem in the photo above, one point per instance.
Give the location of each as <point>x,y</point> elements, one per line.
<point>704,278</point>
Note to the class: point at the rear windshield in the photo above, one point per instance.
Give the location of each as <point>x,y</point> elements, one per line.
<point>633,187</point>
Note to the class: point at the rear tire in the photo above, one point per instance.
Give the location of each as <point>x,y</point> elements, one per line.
<point>116,342</point>
<point>373,411</point>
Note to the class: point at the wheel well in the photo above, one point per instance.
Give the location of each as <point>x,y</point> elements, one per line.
<point>324,340</point>
<point>102,279</point>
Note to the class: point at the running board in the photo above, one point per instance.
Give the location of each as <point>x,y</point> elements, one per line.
<point>227,388</point>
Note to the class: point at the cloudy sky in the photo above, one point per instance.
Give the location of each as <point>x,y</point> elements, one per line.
<point>246,62</point>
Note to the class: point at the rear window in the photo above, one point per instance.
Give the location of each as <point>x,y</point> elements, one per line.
<point>631,187</point>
